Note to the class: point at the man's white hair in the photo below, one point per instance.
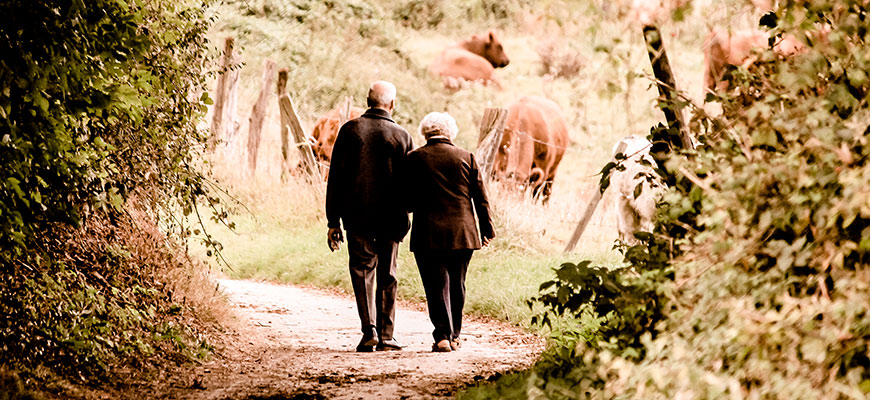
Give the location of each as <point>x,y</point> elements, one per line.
<point>438,123</point>
<point>381,93</point>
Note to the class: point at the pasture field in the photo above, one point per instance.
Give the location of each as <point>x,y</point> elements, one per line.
<point>335,49</point>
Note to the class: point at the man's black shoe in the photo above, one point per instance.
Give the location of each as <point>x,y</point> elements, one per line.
<point>364,349</point>
<point>389,345</point>
<point>368,342</point>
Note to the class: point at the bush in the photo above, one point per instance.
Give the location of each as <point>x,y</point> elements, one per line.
<point>558,62</point>
<point>99,111</point>
<point>490,9</point>
<point>101,298</point>
<point>92,115</point>
<point>419,14</point>
<point>760,249</point>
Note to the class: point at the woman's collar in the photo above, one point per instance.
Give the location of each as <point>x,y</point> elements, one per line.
<point>438,137</point>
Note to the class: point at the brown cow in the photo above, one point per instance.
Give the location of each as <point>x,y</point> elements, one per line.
<point>534,141</point>
<point>725,49</point>
<point>326,129</point>
<point>472,60</point>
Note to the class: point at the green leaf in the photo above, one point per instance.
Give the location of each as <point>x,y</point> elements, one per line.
<point>764,137</point>
<point>116,200</point>
<point>205,99</point>
<point>563,294</point>
<point>41,102</point>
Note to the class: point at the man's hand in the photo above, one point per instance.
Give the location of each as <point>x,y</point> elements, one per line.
<point>334,238</point>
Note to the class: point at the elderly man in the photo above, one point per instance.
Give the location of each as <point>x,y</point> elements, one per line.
<point>445,190</point>
<point>364,192</point>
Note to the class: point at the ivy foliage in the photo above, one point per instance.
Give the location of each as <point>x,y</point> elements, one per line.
<point>98,108</point>
<point>97,103</point>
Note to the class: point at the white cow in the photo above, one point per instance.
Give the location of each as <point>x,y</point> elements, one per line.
<point>635,213</point>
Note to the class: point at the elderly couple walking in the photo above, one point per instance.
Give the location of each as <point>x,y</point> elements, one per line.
<point>375,180</point>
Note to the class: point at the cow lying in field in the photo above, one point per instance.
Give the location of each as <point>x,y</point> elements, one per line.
<point>635,212</point>
<point>534,141</point>
<point>473,60</point>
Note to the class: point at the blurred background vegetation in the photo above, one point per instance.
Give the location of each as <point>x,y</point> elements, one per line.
<point>732,296</point>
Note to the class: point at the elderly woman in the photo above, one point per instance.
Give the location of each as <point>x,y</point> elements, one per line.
<point>446,189</point>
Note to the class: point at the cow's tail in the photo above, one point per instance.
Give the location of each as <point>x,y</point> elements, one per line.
<point>536,178</point>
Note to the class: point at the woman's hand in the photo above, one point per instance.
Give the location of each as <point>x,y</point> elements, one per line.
<point>486,241</point>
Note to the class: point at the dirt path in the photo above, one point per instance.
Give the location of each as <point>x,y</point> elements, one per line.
<point>298,343</point>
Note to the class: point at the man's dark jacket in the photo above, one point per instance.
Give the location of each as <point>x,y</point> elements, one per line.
<point>445,189</point>
<point>364,187</point>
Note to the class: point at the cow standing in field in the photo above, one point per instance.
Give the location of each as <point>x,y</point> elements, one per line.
<point>326,129</point>
<point>534,141</point>
<point>724,49</point>
<point>635,211</point>
<point>473,60</point>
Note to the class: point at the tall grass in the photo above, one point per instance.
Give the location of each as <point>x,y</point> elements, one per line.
<point>336,49</point>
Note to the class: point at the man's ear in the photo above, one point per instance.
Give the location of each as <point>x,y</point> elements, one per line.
<point>392,105</point>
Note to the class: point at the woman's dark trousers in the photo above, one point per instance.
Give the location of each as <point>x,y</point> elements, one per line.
<point>443,275</point>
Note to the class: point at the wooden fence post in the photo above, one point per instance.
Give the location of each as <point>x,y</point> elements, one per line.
<point>258,113</point>
<point>290,120</point>
<point>285,130</point>
<point>344,110</point>
<point>590,209</point>
<point>668,99</point>
<point>491,132</point>
<point>223,126</point>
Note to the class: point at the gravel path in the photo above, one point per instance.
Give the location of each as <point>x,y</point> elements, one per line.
<point>298,343</point>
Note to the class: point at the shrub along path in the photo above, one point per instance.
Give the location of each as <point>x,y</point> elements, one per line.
<point>294,342</point>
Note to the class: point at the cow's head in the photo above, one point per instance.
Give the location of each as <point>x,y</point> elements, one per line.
<point>489,47</point>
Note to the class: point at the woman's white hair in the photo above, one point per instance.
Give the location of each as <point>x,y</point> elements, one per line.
<point>438,123</point>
